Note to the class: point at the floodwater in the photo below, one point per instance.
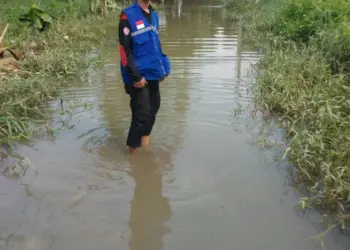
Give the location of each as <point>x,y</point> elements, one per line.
<point>204,185</point>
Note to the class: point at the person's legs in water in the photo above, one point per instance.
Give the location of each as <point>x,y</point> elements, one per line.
<point>140,109</point>
<point>154,100</point>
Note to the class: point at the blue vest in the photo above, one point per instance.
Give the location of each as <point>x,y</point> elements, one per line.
<point>147,51</point>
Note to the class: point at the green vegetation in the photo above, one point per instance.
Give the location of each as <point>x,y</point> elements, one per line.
<point>304,79</point>
<point>56,38</point>
<point>237,6</point>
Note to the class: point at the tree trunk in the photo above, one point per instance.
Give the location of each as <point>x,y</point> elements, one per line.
<point>105,9</point>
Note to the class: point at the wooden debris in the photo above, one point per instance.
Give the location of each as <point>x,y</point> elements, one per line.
<point>18,55</point>
<point>3,34</point>
<point>8,61</point>
<point>8,65</point>
<point>2,50</point>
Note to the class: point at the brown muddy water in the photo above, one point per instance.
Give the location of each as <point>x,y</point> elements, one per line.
<point>203,185</point>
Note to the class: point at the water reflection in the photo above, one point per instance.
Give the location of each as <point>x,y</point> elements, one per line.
<point>149,209</point>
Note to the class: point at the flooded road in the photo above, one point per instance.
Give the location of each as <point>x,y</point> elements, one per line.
<point>203,185</point>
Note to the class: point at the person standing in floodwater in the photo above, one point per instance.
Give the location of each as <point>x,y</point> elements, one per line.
<point>143,66</point>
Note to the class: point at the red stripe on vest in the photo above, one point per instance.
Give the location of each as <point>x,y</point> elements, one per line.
<point>123,17</point>
<point>123,56</point>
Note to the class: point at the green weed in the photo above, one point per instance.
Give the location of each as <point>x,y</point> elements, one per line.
<point>54,59</point>
<point>304,79</point>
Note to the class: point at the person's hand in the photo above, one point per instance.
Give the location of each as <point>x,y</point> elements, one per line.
<point>141,83</point>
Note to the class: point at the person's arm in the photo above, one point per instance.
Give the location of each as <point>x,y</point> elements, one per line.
<point>126,55</point>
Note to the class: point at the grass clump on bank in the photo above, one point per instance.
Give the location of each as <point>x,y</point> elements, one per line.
<point>313,105</point>
<point>304,78</point>
<point>236,5</point>
<point>320,24</point>
<point>55,58</point>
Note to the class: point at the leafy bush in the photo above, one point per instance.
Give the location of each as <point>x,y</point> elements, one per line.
<point>236,5</point>
<point>304,78</point>
<point>54,59</point>
<point>314,106</point>
<point>299,20</point>
<point>324,23</point>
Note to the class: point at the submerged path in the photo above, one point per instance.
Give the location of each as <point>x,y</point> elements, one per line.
<point>204,186</point>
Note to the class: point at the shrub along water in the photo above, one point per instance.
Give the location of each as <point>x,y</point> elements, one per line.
<point>54,58</point>
<point>304,78</point>
<point>324,24</point>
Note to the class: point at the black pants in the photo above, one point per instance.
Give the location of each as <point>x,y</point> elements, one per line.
<point>144,104</point>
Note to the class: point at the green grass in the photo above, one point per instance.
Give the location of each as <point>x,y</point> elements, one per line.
<point>54,59</point>
<point>314,106</point>
<point>323,23</point>
<point>304,79</point>
<point>237,7</point>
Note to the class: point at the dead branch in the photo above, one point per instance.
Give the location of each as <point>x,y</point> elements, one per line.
<point>3,33</point>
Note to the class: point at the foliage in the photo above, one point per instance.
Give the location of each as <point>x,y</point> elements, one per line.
<point>300,20</point>
<point>304,78</point>
<point>94,4</point>
<point>314,106</point>
<point>36,18</point>
<point>322,22</point>
<point>54,59</point>
<point>102,6</point>
<point>236,5</point>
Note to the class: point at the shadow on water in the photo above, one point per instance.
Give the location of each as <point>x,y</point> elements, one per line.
<point>204,185</point>
<point>149,209</point>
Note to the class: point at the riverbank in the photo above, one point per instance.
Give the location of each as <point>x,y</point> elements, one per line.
<point>54,58</point>
<point>304,79</point>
